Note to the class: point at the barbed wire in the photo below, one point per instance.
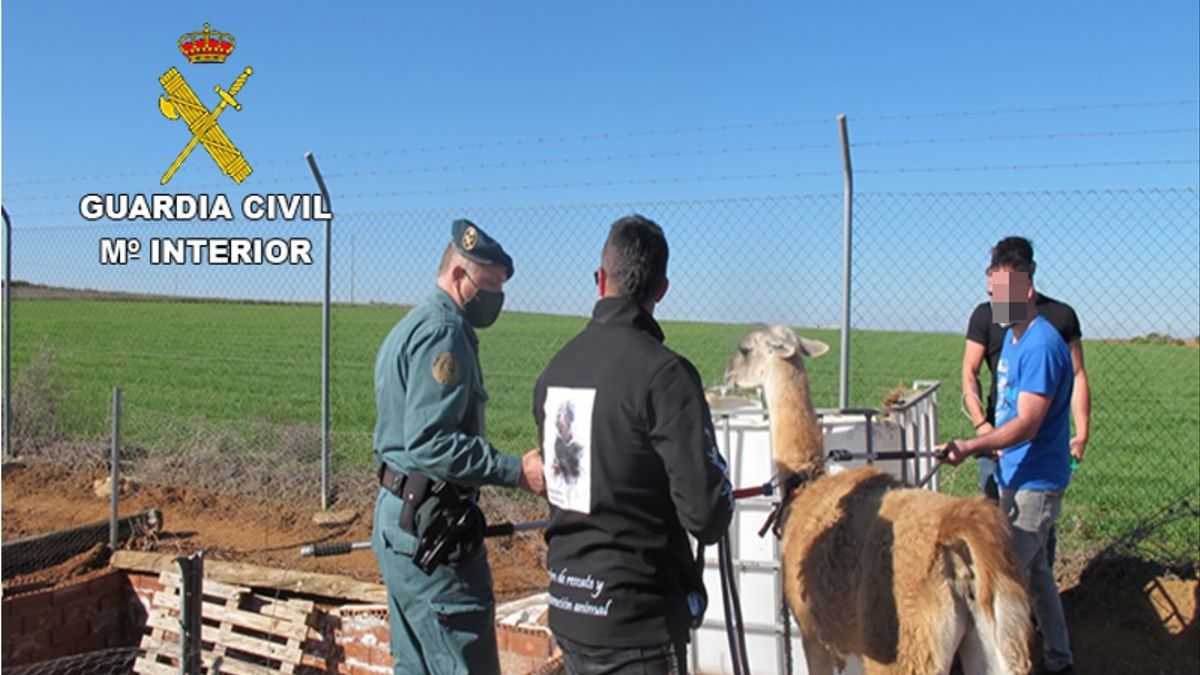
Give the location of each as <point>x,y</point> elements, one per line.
<point>698,152</point>
<point>1026,110</point>
<point>768,176</point>
<point>1030,167</point>
<point>667,131</point>
<point>1055,136</point>
<point>545,161</point>
<point>606,203</point>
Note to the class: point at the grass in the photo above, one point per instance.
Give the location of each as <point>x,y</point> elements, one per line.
<point>188,366</point>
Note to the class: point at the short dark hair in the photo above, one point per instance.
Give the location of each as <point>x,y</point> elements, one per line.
<point>1013,261</point>
<point>1015,253</point>
<point>635,258</point>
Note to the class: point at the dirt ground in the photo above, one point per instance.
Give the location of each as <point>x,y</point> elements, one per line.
<point>39,498</point>
<point>1124,615</point>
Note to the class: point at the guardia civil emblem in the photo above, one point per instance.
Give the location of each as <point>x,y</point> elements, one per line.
<point>445,370</point>
<point>470,238</point>
<point>208,47</point>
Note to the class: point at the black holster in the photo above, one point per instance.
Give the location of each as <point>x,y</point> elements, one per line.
<point>448,525</point>
<point>449,528</point>
<point>414,493</point>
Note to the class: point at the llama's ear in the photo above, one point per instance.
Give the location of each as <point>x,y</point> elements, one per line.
<point>781,341</point>
<point>782,349</point>
<point>812,348</point>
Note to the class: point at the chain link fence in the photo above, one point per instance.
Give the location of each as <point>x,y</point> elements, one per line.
<point>220,366</point>
<point>1128,261</point>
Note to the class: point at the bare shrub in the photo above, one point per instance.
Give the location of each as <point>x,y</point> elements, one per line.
<point>37,399</point>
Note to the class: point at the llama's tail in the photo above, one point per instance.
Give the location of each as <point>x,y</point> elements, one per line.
<point>989,579</point>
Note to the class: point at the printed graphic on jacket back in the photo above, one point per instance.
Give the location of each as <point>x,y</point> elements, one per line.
<point>567,447</point>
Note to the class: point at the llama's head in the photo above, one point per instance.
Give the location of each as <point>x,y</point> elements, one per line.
<point>750,366</point>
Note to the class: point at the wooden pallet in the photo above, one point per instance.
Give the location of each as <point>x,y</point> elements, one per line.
<point>243,633</point>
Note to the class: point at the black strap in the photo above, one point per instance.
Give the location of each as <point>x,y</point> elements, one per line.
<point>793,482</point>
<point>392,481</point>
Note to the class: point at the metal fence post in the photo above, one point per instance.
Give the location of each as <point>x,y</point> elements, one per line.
<point>847,231</point>
<point>312,164</point>
<point>191,594</point>
<point>115,470</point>
<point>7,334</point>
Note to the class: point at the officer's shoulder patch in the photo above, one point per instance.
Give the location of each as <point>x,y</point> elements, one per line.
<point>446,370</point>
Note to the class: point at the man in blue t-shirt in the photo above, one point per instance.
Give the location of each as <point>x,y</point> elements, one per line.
<point>1034,380</point>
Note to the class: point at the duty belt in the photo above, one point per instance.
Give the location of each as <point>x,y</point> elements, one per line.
<point>392,481</point>
<point>413,489</point>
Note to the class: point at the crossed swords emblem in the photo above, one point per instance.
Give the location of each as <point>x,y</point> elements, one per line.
<point>181,101</point>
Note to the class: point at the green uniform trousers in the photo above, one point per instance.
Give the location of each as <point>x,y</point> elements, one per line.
<point>443,622</point>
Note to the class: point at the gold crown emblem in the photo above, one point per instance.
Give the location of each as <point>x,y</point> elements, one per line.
<point>206,46</point>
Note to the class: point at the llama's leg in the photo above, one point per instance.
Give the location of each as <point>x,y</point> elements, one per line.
<point>820,661</point>
<point>974,656</point>
<point>957,628</point>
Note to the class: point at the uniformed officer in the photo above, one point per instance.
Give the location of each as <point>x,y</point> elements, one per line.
<point>631,467</point>
<point>433,456</point>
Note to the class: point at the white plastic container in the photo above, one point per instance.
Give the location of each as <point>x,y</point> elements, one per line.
<point>743,433</point>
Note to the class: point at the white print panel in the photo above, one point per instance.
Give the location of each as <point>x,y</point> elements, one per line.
<point>567,447</point>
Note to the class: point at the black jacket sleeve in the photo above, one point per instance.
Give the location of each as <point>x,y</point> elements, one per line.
<point>681,432</point>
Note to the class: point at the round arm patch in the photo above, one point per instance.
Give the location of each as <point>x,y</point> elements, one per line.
<point>446,370</point>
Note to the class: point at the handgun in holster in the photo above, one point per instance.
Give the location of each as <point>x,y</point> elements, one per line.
<point>453,534</point>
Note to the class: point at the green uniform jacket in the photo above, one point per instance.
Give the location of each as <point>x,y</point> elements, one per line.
<point>430,400</point>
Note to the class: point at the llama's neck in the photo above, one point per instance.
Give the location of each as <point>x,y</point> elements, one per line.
<point>795,433</point>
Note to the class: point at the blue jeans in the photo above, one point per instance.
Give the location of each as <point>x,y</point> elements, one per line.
<point>988,486</point>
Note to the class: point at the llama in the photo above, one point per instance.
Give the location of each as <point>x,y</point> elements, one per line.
<point>904,578</point>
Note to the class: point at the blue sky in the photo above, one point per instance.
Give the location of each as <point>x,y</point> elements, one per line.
<point>432,109</point>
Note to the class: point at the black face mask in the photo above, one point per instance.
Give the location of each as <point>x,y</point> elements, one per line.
<point>483,309</point>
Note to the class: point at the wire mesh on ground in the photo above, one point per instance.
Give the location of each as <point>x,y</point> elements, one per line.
<point>106,661</point>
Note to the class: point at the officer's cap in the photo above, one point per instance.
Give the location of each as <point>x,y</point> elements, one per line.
<point>476,245</point>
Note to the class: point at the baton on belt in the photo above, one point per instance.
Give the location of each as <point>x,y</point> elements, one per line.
<point>344,547</point>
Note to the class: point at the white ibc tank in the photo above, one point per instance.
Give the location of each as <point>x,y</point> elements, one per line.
<point>744,436</point>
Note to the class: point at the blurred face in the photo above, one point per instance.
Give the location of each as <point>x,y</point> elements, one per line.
<point>1010,292</point>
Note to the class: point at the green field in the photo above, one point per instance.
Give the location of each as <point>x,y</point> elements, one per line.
<point>188,368</point>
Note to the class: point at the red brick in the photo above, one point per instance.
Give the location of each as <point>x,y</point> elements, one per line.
<point>363,653</point>
<point>93,643</point>
<point>44,620</point>
<point>68,634</point>
<point>144,585</point>
<point>362,670</point>
<point>111,601</point>
<point>10,628</point>
<point>110,613</point>
<point>29,602</point>
<point>105,584</point>
<point>69,596</point>
<point>79,612</point>
<point>528,644</point>
<point>28,649</point>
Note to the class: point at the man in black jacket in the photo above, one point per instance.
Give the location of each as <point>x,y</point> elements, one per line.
<point>631,466</point>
